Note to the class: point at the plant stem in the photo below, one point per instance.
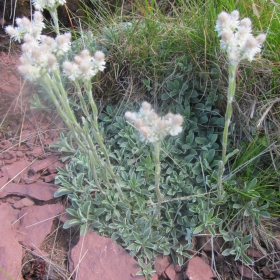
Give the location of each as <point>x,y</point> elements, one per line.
<point>160,196</point>
<point>53,13</point>
<point>230,95</point>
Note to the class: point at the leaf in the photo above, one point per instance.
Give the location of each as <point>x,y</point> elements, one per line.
<point>71,223</point>
<point>231,154</point>
<point>83,229</point>
<point>212,231</point>
<point>72,212</point>
<point>61,191</point>
<point>227,252</point>
<point>165,96</point>
<point>180,260</point>
<point>247,259</point>
<point>198,229</point>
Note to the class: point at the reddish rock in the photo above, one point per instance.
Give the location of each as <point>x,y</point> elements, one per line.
<point>10,161</point>
<point>23,203</point>
<point>10,200</point>
<point>161,263</point>
<point>36,223</point>
<point>155,277</point>
<point>10,249</point>
<point>40,191</point>
<point>17,168</point>
<point>31,179</point>
<point>245,271</point>
<point>3,181</point>
<point>5,144</point>
<point>170,272</point>
<point>179,276</point>
<point>43,164</point>
<point>199,270</point>
<point>8,213</point>
<point>252,252</point>
<point>9,155</point>
<point>65,217</point>
<point>177,268</point>
<point>19,154</point>
<point>37,151</point>
<point>53,167</point>
<point>99,257</point>
<point>266,271</point>
<point>49,178</point>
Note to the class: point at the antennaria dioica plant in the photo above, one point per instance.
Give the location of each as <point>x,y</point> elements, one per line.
<point>147,200</point>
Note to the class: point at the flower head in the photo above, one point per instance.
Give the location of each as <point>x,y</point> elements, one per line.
<point>236,37</point>
<point>153,128</point>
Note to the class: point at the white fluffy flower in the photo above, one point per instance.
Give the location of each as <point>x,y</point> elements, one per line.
<point>236,37</point>
<point>40,5</point>
<point>84,66</point>
<point>153,128</point>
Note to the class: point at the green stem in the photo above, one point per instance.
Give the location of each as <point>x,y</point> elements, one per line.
<point>160,196</point>
<point>53,13</point>
<point>230,96</point>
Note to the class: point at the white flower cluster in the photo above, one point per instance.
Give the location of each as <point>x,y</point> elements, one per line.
<point>84,66</point>
<point>153,128</point>
<point>25,26</point>
<point>40,5</point>
<point>39,52</point>
<point>236,37</point>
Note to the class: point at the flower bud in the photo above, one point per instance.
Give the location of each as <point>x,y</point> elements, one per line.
<point>223,18</point>
<point>130,116</point>
<point>261,38</point>
<point>246,22</point>
<point>234,15</point>
<point>146,106</point>
<point>177,120</point>
<point>99,56</point>
<point>145,131</point>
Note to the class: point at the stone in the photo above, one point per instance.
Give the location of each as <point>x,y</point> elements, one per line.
<point>36,223</point>
<point>170,272</point>
<point>65,217</point>
<point>161,263</point>
<point>15,170</point>
<point>199,270</point>
<point>31,179</point>
<point>39,165</point>
<point>99,257</point>
<point>10,200</point>
<point>252,252</point>
<point>39,191</point>
<point>177,268</point>
<point>3,181</point>
<point>19,154</point>
<point>53,167</point>
<point>49,178</point>
<point>179,276</point>
<point>5,144</point>
<point>9,155</point>
<point>155,277</point>
<point>25,202</point>
<point>37,151</point>
<point>245,271</point>
<point>10,249</point>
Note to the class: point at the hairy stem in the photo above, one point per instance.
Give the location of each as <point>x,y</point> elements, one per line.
<point>160,196</point>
